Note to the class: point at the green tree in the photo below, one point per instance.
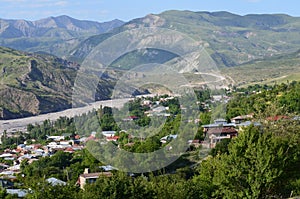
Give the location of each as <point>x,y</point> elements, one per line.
<point>42,189</point>
<point>221,147</point>
<point>254,167</point>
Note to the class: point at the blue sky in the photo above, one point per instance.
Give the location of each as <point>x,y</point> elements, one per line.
<point>104,10</point>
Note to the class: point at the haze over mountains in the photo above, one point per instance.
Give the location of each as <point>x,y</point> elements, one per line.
<point>54,35</point>
<point>247,49</point>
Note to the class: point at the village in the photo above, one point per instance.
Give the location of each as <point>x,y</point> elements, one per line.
<point>31,150</point>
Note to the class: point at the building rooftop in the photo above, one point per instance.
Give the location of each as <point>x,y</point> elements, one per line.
<point>248,123</point>
<point>219,125</point>
<point>222,130</point>
<point>55,181</point>
<point>108,168</point>
<point>95,175</point>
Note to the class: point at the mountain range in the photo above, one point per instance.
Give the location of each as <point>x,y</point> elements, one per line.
<point>230,39</point>
<point>54,35</point>
<point>38,77</point>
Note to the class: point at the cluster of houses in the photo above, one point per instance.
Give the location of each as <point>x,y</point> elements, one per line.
<point>32,152</point>
<point>214,133</point>
<point>156,109</point>
<point>221,129</point>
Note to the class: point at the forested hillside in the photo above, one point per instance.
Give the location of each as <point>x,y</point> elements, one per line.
<point>266,101</point>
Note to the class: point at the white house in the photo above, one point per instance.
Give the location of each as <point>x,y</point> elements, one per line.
<point>168,138</point>
<point>55,138</point>
<point>108,133</point>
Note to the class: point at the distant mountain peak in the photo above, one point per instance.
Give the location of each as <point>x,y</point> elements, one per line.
<point>62,21</point>
<point>55,35</point>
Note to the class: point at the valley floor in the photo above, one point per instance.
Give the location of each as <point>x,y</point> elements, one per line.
<point>20,124</point>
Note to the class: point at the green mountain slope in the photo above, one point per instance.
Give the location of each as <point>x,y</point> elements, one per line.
<point>230,39</point>
<point>276,69</point>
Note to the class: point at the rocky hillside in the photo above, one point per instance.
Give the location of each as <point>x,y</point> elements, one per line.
<point>53,35</point>
<point>230,39</point>
<point>32,84</point>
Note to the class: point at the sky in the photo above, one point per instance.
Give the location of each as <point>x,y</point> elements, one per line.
<point>105,10</point>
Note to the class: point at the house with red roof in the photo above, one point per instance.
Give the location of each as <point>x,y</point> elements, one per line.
<point>218,131</point>
<point>277,118</point>
<point>112,138</point>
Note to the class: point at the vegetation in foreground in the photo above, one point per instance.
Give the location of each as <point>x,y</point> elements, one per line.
<point>262,162</point>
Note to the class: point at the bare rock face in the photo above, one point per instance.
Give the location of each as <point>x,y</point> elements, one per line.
<point>148,21</point>
<point>16,103</point>
<point>153,21</point>
<point>32,84</point>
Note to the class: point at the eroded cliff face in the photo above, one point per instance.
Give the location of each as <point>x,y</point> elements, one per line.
<point>17,103</point>
<point>32,84</point>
